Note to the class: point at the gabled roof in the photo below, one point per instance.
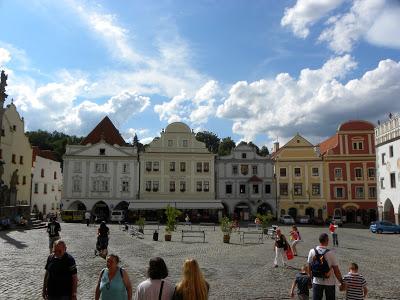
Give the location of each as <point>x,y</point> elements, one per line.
<point>106,131</point>
<point>48,154</point>
<point>254,178</point>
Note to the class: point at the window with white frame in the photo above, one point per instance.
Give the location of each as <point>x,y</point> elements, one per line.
<point>254,169</point>
<point>206,167</point>
<point>100,185</point>
<point>282,172</point>
<point>283,189</point>
<point>382,180</point>
<point>206,186</point>
<point>148,166</point>
<point>316,189</point>
<point>234,170</point>
<point>255,188</point>
<point>297,172</point>
<point>182,186</point>
<point>199,186</point>
<point>338,173</point>
<point>148,185</point>
<point>358,173</point>
<point>172,186</point>
<point>101,167</point>
<point>371,192</point>
<point>359,192</point>
<point>242,189</point>
<point>315,171</point>
<point>183,166</point>
<point>358,145</point>
<point>339,192</point>
<point>125,186</point>
<point>198,167</point>
<point>172,166</point>
<point>156,166</point>
<point>228,188</point>
<point>371,172</point>
<point>156,185</point>
<point>298,189</point>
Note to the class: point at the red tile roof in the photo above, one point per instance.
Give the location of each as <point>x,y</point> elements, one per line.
<point>104,130</point>
<point>43,153</point>
<point>329,143</point>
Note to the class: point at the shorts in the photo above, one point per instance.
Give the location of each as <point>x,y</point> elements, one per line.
<point>52,240</point>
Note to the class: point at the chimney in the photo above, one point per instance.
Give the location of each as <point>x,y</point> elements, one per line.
<point>276,146</point>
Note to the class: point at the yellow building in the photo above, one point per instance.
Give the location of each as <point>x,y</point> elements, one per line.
<point>299,179</point>
<point>16,152</point>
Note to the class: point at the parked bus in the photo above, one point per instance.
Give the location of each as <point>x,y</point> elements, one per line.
<point>72,215</point>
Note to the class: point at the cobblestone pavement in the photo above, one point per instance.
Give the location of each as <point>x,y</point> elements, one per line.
<point>234,271</point>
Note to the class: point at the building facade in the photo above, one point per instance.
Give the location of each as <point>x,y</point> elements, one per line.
<point>46,182</point>
<point>100,174</point>
<point>178,170</point>
<point>299,179</point>
<point>349,163</point>
<point>245,183</point>
<point>387,141</point>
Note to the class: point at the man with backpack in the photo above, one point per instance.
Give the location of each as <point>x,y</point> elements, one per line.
<point>323,270</point>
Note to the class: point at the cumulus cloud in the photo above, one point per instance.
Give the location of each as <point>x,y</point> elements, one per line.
<point>5,56</point>
<point>314,103</point>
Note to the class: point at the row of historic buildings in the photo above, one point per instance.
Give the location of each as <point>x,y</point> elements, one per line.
<point>335,177</point>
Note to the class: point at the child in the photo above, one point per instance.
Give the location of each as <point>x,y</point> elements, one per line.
<point>333,230</point>
<point>295,238</point>
<point>303,283</point>
<point>356,286</point>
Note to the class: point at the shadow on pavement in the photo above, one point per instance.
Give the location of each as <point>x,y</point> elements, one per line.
<point>10,240</point>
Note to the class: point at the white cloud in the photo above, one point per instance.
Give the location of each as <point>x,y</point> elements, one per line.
<point>313,104</point>
<point>305,13</point>
<point>173,110</point>
<point>5,56</point>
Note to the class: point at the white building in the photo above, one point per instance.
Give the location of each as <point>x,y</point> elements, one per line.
<point>100,174</point>
<point>387,141</point>
<point>46,182</point>
<point>245,182</point>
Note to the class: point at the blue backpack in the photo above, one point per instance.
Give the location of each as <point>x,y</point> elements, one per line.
<point>319,265</point>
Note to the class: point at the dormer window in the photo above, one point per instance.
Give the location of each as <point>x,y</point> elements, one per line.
<point>102,151</point>
<point>244,155</point>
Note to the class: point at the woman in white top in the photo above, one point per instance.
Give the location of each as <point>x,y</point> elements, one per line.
<point>155,287</point>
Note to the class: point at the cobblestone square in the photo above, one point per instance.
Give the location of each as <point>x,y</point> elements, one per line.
<point>234,271</point>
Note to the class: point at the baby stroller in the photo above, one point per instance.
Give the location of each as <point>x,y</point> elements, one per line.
<point>101,246</point>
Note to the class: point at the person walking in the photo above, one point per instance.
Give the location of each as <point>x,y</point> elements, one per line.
<point>333,230</point>
<point>102,239</point>
<point>87,218</point>
<point>356,286</point>
<point>322,261</point>
<point>53,229</point>
<point>113,282</point>
<point>303,284</point>
<point>193,286</point>
<point>61,279</point>
<point>280,246</point>
<point>155,286</point>
<point>295,238</point>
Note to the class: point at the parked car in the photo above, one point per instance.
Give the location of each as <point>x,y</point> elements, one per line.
<point>384,226</point>
<point>117,216</point>
<point>317,221</point>
<point>303,219</point>
<point>286,219</point>
<point>338,220</point>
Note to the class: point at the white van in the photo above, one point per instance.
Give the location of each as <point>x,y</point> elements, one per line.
<point>117,216</point>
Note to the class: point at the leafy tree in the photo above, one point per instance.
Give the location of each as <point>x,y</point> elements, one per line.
<point>210,139</point>
<point>254,146</point>
<point>264,151</point>
<point>226,145</point>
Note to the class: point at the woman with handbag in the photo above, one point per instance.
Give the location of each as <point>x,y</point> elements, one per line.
<point>281,245</point>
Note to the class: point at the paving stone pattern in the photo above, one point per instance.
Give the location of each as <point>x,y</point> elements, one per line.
<point>234,271</point>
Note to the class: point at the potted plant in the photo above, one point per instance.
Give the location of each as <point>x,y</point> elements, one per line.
<point>140,223</point>
<point>265,220</point>
<point>172,213</point>
<point>226,227</point>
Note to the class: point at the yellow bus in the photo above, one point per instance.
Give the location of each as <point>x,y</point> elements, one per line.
<point>72,215</point>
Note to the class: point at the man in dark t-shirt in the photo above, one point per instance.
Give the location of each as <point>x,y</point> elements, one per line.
<point>61,280</point>
<point>303,284</point>
<point>53,229</point>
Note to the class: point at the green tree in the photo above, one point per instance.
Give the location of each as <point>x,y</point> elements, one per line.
<point>254,146</point>
<point>210,139</point>
<point>264,151</point>
<point>226,145</point>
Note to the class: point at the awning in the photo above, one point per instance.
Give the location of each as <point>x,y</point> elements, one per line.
<point>151,204</point>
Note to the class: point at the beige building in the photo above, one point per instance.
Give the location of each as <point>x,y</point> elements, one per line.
<point>16,152</point>
<point>299,178</point>
<point>178,170</point>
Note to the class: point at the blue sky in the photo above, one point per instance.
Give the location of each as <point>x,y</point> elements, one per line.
<point>252,70</point>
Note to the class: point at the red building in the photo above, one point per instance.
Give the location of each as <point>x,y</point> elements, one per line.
<point>349,163</point>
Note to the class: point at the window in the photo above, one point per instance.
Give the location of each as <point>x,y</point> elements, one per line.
<point>23,180</point>
<point>100,185</point>
<point>125,186</point>
<point>242,189</point>
<point>255,188</point>
<point>283,189</point>
<point>55,175</point>
<point>371,192</point>
<point>316,189</point>
<point>156,185</point>
<point>148,166</point>
<point>198,166</point>
<point>45,188</point>
<point>36,188</point>
<point>382,183</point>
<point>244,155</point>
<point>244,169</point>
<point>371,172</point>
<point>268,189</point>
<point>315,172</point>
<point>234,170</point>
<point>228,189</point>
<point>125,168</point>
<point>13,159</point>
<point>298,189</point>
<point>390,151</point>
<point>254,169</point>
<point>339,192</point>
<point>358,173</point>
<point>101,168</point>
<point>172,186</point>
<point>148,186</point>
<point>21,160</point>
<point>338,173</point>
<point>358,145</point>
<point>3,133</point>
<point>172,166</point>
<point>77,166</point>
<point>359,192</point>
<point>206,186</point>
<point>206,167</point>
<point>282,172</point>
<point>76,185</point>
<point>392,180</point>
<point>183,166</point>
<point>185,143</point>
<point>102,151</point>
<point>156,166</point>
<point>170,143</point>
<point>297,172</point>
<point>199,186</point>
<point>383,159</point>
<point>182,186</point>
<point>42,173</point>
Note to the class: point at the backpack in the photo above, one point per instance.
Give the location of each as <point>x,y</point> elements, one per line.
<point>319,265</point>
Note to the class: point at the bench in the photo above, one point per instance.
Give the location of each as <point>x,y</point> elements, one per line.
<point>252,235</point>
<point>185,225</point>
<point>207,225</point>
<point>194,234</point>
